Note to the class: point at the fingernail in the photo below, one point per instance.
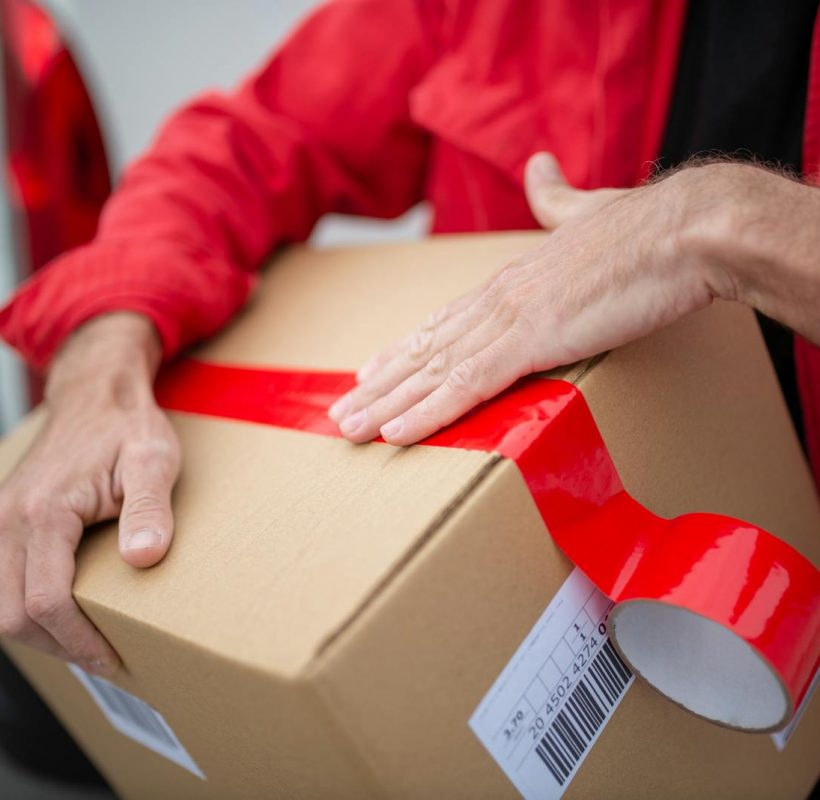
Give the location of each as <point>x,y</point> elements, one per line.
<point>392,428</point>
<point>352,423</point>
<point>340,408</point>
<point>143,540</point>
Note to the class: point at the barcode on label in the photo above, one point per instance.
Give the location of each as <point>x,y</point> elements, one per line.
<point>584,712</point>
<point>136,719</point>
<point>552,700</point>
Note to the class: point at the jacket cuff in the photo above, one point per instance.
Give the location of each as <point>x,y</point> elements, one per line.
<point>187,293</point>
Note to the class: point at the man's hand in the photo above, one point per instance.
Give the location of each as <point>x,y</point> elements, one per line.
<point>106,449</point>
<point>619,264</point>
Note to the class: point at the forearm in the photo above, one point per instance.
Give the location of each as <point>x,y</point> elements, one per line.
<point>758,233</point>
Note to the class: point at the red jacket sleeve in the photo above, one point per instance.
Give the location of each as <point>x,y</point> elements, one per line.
<point>323,127</point>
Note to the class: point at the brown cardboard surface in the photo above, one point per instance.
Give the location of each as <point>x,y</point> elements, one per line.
<point>330,615</point>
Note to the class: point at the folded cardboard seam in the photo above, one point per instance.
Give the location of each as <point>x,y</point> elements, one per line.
<point>484,474</point>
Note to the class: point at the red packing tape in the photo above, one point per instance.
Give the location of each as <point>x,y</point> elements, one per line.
<point>720,569</point>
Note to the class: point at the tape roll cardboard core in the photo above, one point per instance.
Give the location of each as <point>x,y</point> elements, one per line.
<point>700,665</point>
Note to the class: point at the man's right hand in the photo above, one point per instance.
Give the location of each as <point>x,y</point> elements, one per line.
<point>106,449</point>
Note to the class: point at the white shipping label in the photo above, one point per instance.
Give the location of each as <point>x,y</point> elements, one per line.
<point>553,699</point>
<point>136,719</point>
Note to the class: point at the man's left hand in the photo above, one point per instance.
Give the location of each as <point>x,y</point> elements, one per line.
<point>617,265</point>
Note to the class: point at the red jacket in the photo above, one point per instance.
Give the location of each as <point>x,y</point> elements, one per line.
<point>368,108</point>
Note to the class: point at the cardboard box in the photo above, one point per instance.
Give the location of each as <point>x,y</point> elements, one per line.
<point>330,616</point>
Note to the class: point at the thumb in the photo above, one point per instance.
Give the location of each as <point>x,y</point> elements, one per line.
<point>551,199</point>
<point>148,474</point>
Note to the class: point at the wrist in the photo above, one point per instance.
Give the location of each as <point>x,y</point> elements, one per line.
<point>708,227</point>
<point>118,352</point>
<point>753,234</point>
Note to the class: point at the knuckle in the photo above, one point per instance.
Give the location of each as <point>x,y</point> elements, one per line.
<point>153,453</point>
<point>421,345</point>
<point>144,504</point>
<point>495,287</point>
<point>463,379</point>
<point>44,606</point>
<point>507,308</point>
<point>149,449</point>
<point>436,366</point>
<point>84,497</point>
<point>426,413</point>
<point>34,508</point>
<point>502,283</point>
<point>498,294</point>
<point>515,264</point>
<point>358,397</point>
<point>433,319</point>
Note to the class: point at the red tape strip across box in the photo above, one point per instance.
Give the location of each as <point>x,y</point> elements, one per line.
<point>719,569</point>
